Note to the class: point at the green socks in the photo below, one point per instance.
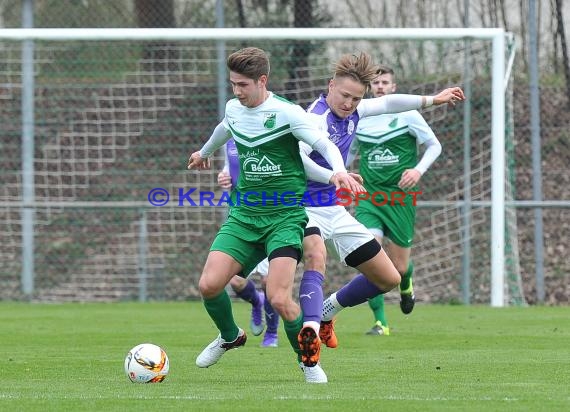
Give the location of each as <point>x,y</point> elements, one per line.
<point>406,282</point>
<point>292,329</point>
<point>377,306</point>
<point>220,310</point>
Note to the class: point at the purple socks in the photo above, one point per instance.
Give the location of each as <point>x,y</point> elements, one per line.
<point>357,291</point>
<point>311,296</point>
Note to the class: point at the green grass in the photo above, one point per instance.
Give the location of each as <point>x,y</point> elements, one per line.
<point>69,357</point>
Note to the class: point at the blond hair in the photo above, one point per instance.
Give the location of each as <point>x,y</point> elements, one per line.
<point>359,68</point>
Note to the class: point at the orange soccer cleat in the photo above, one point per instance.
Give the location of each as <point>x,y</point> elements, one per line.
<point>327,335</point>
<point>310,345</point>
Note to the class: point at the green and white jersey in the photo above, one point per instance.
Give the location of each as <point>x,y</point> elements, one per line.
<point>388,145</point>
<point>272,176</point>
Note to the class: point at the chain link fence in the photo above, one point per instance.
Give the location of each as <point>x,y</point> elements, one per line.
<point>115,120</point>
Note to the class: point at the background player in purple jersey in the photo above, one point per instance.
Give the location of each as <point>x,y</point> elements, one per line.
<point>244,287</point>
<point>330,226</point>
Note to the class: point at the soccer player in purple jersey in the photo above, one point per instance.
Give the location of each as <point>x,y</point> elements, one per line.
<point>330,226</point>
<point>243,286</point>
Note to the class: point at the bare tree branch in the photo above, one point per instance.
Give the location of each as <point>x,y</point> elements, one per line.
<point>241,15</point>
<point>562,36</point>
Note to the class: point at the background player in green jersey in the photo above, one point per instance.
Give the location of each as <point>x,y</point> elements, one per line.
<point>265,219</point>
<point>388,148</point>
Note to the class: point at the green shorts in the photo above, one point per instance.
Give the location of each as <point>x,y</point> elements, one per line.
<point>250,239</point>
<point>397,221</point>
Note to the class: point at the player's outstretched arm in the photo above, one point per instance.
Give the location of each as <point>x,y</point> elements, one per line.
<point>397,103</point>
<point>200,159</point>
<point>450,96</point>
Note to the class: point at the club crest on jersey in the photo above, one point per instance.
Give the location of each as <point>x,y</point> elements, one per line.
<point>269,120</point>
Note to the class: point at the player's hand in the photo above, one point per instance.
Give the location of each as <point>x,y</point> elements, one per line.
<point>224,180</point>
<point>346,181</point>
<point>450,96</point>
<point>197,162</point>
<point>356,177</point>
<point>409,179</point>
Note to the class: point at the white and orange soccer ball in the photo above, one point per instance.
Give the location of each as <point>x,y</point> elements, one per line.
<point>147,363</point>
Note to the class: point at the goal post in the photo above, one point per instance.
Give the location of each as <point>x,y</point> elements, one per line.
<point>353,35</point>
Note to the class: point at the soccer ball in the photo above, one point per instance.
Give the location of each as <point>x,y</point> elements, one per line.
<point>146,363</point>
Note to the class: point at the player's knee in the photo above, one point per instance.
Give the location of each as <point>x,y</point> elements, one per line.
<point>382,273</point>
<point>314,255</point>
<point>277,301</point>
<point>389,277</point>
<point>283,304</point>
<point>385,280</point>
<point>315,261</point>
<point>393,280</point>
<point>208,288</point>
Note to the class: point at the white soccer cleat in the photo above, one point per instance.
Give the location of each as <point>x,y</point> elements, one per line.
<point>314,374</point>
<point>214,351</point>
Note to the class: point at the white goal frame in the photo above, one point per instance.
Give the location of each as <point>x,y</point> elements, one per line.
<point>499,81</point>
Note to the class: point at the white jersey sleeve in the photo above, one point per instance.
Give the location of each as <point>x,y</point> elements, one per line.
<point>226,167</point>
<point>419,128</point>
<point>392,103</point>
<point>433,150</point>
<point>219,137</point>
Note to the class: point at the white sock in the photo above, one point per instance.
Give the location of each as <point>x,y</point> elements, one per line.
<point>331,307</point>
<point>311,323</point>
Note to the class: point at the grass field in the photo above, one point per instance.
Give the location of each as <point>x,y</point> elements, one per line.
<point>69,357</point>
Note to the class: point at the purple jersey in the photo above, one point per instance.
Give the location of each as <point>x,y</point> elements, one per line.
<point>341,132</point>
<point>233,161</point>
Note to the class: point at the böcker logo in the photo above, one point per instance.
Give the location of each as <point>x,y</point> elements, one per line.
<point>262,166</point>
<point>379,158</point>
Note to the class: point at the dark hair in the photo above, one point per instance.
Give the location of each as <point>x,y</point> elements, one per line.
<point>250,62</point>
<point>359,68</point>
<point>383,69</point>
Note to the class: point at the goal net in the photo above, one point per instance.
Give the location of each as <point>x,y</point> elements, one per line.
<point>116,117</point>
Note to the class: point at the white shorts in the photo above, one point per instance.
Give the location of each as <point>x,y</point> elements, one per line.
<point>342,233</point>
<point>262,268</point>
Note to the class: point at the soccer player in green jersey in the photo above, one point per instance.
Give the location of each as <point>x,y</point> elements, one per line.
<point>266,216</point>
<point>388,148</point>
<point>242,285</point>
